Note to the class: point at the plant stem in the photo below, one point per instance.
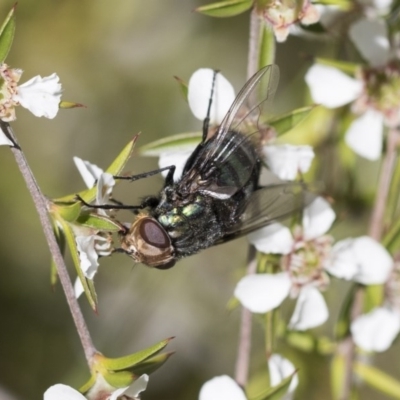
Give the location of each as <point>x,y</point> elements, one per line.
<point>375,231</point>
<point>254,41</point>
<point>41,205</point>
<point>244,347</point>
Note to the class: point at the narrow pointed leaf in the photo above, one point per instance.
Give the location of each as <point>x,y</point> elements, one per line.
<point>338,369</point>
<point>7,32</point>
<point>116,364</point>
<point>99,222</point>
<point>89,291</point>
<point>374,297</point>
<point>70,104</point>
<point>67,211</point>
<point>342,328</point>
<point>151,364</point>
<point>60,237</point>
<point>377,379</point>
<point>303,341</point>
<point>267,48</point>
<point>224,9</point>
<point>118,379</point>
<point>181,141</point>
<point>392,239</point>
<point>277,392</point>
<point>345,66</point>
<point>183,86</point>
<point>344,5</point>
<point>285,123</point>
<point>119,163</point>
<point>89,384</point>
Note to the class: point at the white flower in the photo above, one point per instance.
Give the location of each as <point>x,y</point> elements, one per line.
<point>362,260</point>
<point>199,94</point>
<point>281,15</point>
<point>286,161</point>
<point>64,392</point>
<point>374,104</point>
<point>376,330</point>
<point>41,96</point>
<point>221,388</point>
<point>303,264</point>
<point>279,369</point>
<point>91,245</point>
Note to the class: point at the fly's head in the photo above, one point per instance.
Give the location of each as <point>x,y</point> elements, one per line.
<point>147,242</point>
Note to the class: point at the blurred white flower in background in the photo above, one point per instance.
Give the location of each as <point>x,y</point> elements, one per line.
<point>305,254</point>
<point>374,92</point>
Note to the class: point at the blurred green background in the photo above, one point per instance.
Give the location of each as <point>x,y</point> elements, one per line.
<point>119,58</point>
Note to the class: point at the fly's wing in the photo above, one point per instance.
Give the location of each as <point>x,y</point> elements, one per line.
<point>218,151</point>
<point>269,204</point>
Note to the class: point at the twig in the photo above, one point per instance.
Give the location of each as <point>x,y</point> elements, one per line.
<point>244,347</point>
<point>41,205</point>
<point>254,41</point>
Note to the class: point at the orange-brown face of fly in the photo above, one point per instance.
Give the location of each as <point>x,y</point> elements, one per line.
<point>147,242</point>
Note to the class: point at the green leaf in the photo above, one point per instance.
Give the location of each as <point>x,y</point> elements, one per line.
<point>345,66</point>
<point>337,375</point>
<point>342,328</point>
<point>70,104</point>
<point>67,211</point>
<point>285,123</point>
<point>89,384</point>
<point>117,364</point>
<point>60,237</point>
<point>267,47</point>
<point>301,340</point>
<point>344,5</point>
<point>277,392</point>
<point>7,32</point>
<point>183,86</point>
<point>374,297</point>
<point>392,239</point>
<point>151,364</point>
<point>180,141</point>
<point>89,291</point>
<point>378,379</point>
<point>224,9</point>
<point>118,379</point>
<point>99,222</point>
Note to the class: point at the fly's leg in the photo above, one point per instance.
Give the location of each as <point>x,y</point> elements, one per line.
<point>171,170</point>
<point>206,122</point>
<point>150,201</point>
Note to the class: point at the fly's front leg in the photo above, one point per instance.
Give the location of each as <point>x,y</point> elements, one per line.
<point>149,173</point>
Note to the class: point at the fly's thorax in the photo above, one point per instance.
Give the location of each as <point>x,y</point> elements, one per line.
<point>147,242</point>
<point>179,219</point>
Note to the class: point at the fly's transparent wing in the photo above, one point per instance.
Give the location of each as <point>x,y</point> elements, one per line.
<point>269,204</point>
<point>243,117</point>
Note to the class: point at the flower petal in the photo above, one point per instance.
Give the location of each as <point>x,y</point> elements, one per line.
<point>199,93</point>
<point>90,172</point>
<point>274,238</point>
<point>371,38</point>
<point>330,87</point>
<point>279,369</point>
<point>376,330</point>
<point>364,135</point>
<point>317,218</point>
<point>62,392</point>
<point>363,259</point>
<point>310,311</point>
<point>105,185</point>
<point>287,161</point>
<point>261,293</point>
<point>41,96</point>
<point>177,158</point>
<point>221,388</point>
<point>138,386</point>
<point>87,255</point>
